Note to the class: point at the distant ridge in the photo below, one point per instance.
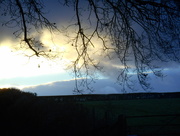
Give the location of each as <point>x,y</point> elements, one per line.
<point>104,97</point>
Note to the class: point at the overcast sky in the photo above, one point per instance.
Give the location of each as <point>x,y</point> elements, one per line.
<point>47,77</point>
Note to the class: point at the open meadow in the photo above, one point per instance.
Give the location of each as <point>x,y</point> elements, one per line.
<point>144,116</point>
<point>91,115</point>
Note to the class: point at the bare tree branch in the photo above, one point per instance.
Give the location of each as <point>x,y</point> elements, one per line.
<point>139,33</point>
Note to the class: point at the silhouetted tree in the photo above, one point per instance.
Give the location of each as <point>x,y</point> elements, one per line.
<point>140,33</point>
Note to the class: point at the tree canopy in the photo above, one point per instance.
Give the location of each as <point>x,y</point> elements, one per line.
<point>137,33</point>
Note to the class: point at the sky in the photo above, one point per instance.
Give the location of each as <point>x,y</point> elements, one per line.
<point>51,77</point>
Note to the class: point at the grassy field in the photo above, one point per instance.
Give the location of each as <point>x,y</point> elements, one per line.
<point>96,115</point>
<point>159,117</point>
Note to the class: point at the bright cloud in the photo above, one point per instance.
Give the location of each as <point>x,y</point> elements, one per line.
<point>14,64</point>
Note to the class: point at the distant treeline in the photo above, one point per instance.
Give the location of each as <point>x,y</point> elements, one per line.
<point>127,96</point>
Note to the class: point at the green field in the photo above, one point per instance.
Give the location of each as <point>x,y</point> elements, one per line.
<point>91,115</point>
<point>159,117</point>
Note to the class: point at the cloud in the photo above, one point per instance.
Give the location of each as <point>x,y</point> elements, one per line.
<point>169,83</point>
<point>15,65</point>
<point>58,43</point>
<point>55,88</point>
<point>108,90</point>
<point>67,87</point>
<point>108,86</point>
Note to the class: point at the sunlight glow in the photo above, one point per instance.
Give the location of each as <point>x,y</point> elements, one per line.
<point>16,65</point>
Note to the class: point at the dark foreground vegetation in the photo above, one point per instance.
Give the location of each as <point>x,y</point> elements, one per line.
<point>23,113</point>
